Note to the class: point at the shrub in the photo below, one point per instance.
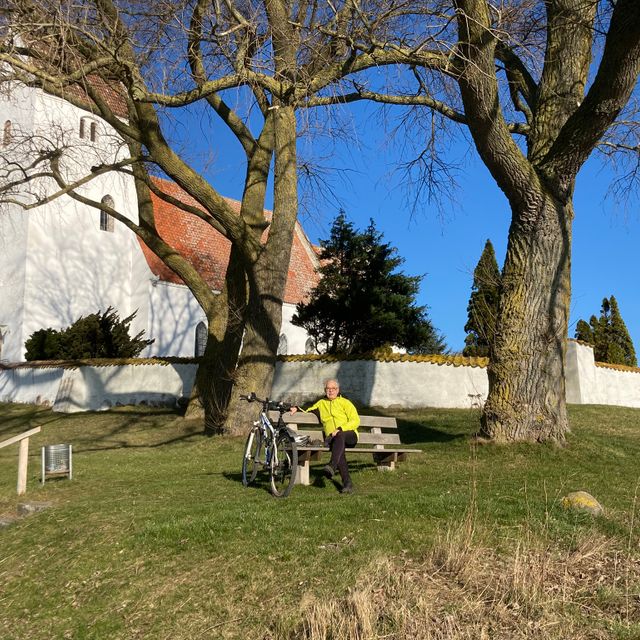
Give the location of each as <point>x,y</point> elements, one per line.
<point>98,335</point>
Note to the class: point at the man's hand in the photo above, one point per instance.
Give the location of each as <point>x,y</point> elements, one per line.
<point>293,409</point>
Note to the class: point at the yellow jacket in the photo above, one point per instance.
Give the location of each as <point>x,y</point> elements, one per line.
<point>336,414</point>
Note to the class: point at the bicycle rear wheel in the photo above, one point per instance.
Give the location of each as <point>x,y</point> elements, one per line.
<point>284,466</point>
<point>251,459</point>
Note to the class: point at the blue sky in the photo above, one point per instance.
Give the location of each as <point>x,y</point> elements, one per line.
<point>444,243</point>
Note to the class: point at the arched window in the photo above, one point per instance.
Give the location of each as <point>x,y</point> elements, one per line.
<point>93,131</point>
<point>201,339</point>
<point>310,346</point>
<point>282,345</point>
<point>106,221</point>
<point>7,134</point>
<point>4,329</point>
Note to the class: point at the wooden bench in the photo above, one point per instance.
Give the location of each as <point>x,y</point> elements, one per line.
<point>377,436</point>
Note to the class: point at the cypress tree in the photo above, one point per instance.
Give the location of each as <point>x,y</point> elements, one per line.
<point>482,310</point>
<point>608,335</point>
<point>362,301</point>
<point>621,349</point>
<point>584,332</point>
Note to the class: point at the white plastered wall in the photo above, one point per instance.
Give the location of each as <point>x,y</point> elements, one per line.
<point>16,106</point>
<point>174,314</point>
<point>69,267</point>
<point>296,336</point>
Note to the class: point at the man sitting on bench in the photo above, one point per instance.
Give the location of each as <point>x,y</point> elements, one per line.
<point>340,422</point>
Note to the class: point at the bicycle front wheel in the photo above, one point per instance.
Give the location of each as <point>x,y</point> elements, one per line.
<point>251,459</point>
<point>284,465</point>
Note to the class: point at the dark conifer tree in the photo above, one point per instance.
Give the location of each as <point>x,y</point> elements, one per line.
<point>362,302</point>
<point>584,331</point>
<point>608,335</point>
<point>621,350</point>
<point>482,309</point>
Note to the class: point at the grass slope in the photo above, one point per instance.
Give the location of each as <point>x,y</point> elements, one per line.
<point>156,537</point>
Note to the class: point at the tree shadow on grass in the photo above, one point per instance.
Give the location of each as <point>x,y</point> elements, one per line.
<point>412,432</point>
<point>102,430</point>
<point>429,425</point>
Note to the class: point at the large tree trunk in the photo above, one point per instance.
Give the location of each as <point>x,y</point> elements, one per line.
<point>267,282</point>
<point>214,378</point>
<point>527,359</point>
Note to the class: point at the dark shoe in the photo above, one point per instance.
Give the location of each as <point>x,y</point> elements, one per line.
<point>348,488</point>
<point>329,471</point>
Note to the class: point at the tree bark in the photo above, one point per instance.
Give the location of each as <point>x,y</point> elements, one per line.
<point>527,357</point>
<point>267,281</point>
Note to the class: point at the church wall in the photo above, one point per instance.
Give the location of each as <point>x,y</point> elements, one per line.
<point>58,265</point>
<point>13,244</point>
<point>296,336</point>
<point>173,316</point>
<point>15,107</point>
<point>74,268</point>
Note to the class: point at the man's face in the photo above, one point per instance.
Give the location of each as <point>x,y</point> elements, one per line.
<point>331,390</point>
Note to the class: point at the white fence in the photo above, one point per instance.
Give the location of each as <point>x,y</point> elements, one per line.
<point>370,382</point>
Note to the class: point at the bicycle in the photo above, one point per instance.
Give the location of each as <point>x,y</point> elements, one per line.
<point>270,447</point>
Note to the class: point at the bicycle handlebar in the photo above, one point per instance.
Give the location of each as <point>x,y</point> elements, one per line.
<point>268,405</point>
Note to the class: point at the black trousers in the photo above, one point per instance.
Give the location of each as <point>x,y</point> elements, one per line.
<point>338,443</point>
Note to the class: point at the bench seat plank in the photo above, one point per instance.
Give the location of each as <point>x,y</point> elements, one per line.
<point>377,436</point>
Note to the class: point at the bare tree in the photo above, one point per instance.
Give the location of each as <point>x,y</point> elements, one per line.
<point>272,58</point>
<point>540,85</point>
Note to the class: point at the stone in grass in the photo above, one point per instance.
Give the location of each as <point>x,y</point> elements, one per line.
<point>27,508</point>
<point>582,501</point>
<point>6,520</point>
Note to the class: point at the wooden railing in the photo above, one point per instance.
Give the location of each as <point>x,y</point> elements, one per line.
<point>23,455</point>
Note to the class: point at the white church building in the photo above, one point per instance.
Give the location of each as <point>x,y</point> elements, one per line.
<point>63,260</point>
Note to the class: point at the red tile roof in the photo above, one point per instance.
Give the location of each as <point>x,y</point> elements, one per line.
<point>208,251</point>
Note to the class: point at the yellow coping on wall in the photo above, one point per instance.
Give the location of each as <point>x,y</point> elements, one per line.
<point>451,360</point>
<point>98,362</point>
<point>618,367</point>
<point>456,361</point>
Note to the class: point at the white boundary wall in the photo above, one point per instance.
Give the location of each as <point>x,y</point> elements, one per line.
<point>373,383</point>
<point>384,384</point>
<point>588,383</point>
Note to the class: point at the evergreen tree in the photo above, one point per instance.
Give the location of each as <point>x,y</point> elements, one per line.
<point>98,335</point>
<point>621,350</point>
<point>482,310</point>
<point>584,331</point>
<point>608,335</point>
<point>362,302</point>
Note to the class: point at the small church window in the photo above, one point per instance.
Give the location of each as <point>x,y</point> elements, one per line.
<point>201,339</point>
<point>282,345</point>
<point>7,134</point>
<point>106,221</point>
<point>88,129</point>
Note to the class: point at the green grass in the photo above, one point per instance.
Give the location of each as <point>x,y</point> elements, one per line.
<point>155,537</point>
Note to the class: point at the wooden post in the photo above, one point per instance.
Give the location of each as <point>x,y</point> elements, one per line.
<point>23,457</point>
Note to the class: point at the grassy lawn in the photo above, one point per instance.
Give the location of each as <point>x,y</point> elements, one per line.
<point>155,537</point>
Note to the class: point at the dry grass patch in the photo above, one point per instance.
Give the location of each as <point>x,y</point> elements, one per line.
<point>463,591</point>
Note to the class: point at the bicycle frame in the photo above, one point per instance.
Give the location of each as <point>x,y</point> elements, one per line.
<point>271,447</point>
